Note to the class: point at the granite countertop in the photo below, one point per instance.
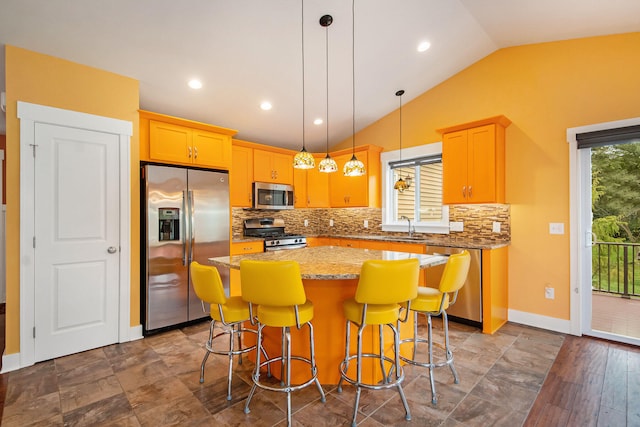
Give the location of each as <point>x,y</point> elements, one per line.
<point>446,240</point>
<point>328,262</point>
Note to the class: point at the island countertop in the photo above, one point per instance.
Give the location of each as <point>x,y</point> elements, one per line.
<point>328,262</point>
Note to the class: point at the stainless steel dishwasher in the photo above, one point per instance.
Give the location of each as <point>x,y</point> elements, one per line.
<point>468,307</point>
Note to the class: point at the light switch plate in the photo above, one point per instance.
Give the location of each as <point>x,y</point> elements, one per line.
<point>330,223</point>
<point>456,226</point>
<point>306,222</point>
<point>366,223</point>
<point>496,227</point>
<point>556,228</point>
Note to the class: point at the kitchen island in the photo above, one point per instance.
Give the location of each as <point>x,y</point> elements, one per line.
<point>330,276</point>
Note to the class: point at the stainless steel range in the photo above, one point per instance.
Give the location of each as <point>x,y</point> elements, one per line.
<point>272,230</point>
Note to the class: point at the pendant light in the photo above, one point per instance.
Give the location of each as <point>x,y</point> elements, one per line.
<point>353,167</point>
<point>327,164</point>
<point>303,159</point>
<point>401,184</point>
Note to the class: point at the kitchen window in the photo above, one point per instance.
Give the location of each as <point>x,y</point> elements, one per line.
<point>422,201</point>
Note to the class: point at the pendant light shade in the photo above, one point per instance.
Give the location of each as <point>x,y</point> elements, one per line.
<point>303,159</point>
<point>327,164</point>
<point>401,184</point>
<point>353,167</point>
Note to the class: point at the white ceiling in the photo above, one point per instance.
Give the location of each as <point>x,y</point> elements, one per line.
<point>247,51</point>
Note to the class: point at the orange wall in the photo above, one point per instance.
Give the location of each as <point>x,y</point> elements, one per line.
<point>45,80</point>
<point>544,89</point>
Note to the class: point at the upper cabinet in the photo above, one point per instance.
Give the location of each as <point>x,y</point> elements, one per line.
<point>356,191</point>
<point>473,162</point>
<point>272,166</point>
<point>179,141</point>
<point>311,187</point>
<point>241,176</point>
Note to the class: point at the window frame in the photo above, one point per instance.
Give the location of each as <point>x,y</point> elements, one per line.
<point>388,224</point>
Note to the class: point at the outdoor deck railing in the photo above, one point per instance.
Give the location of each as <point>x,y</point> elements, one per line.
<point>616,268</point>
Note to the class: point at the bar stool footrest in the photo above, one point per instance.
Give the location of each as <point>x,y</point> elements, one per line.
<point>378,386</point>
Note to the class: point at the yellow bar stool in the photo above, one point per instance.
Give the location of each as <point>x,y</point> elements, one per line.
<point>275,287</point>
<point>382,287</point>
<point>434,302</point>
<point>231,312</point>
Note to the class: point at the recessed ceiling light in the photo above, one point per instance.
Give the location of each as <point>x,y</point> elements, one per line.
<point>266,105</point>
<point>423,46</point>
<point>317,121</point>
<point>195,84</point>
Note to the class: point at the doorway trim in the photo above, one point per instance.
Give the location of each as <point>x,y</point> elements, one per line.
<point>576,229</point>
<point>29,114</point>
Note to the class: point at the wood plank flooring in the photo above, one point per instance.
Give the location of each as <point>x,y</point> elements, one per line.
<point>591,383</point>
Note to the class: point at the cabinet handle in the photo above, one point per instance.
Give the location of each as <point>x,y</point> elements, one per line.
<point>189,152</point>
<point>195,150</point>
<point>470,192</point>
<point>464,191</point>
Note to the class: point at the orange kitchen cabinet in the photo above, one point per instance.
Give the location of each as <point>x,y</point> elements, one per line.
<point>473,162</point>
<point>173,140</point>
<point>311,187</point>
<point>271,166</point>
<point>349,243</point>
<point>243,248</point>
<point>356,191</point>
<point>241,176</point>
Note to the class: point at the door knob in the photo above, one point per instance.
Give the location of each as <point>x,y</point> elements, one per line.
<point>112,250</point>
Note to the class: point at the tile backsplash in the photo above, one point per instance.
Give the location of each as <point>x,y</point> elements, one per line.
<point>478,221</point>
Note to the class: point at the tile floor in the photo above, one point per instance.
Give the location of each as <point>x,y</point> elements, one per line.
<point>154,382</point>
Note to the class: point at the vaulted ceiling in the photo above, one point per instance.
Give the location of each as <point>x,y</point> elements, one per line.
<point>249,51</point>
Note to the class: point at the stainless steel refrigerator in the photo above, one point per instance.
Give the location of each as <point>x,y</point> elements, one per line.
<point>186,215</point>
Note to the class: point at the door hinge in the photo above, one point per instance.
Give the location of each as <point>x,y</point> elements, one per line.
<point>34,331</point>
<point>34,242</point>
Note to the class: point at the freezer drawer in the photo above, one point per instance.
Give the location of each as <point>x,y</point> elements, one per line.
<point>468,307</point>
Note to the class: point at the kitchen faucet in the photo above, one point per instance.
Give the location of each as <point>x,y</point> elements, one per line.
<point>411,230</point>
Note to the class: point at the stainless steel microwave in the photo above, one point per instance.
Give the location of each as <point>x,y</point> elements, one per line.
<point>272,196</point>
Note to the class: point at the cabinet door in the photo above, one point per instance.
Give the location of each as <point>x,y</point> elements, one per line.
<point>283,166</point>
<point>318,187</point>
<point>349,243</point>
<point>454,167</point>
<point>169,142</point>
<point>300,188</point>
<point>481,175</point>
<point>241,176</point>
<point>262,168</point>
<point>211,149</point>
<point>349,191</point>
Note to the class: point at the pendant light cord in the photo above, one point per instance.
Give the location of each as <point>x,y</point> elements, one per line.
<point>353,73</point>
<point>327,88</point>
<point>303,118</point>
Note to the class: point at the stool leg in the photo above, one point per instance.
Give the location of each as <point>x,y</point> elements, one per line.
<point>445,322</point>
<point>239,326</point>
<point>287,337</point>
<point>381,341</point>
<point>346,354</point>
<point>256,372</point>
<point>358,373</point>
<point>314,368</point>
<point>231,337</point>
<point>208,346</point>
<point>396,350</point>
<point>415,334</point>
<point>282,342</point>
<point>434,400</point>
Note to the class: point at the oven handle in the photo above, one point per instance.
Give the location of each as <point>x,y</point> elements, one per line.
<point>284,248</point>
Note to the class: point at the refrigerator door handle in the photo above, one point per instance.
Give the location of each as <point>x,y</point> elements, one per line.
<point>183,229</point>
<point>192,234</point>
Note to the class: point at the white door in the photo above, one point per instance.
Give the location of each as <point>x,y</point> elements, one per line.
<point>76,240</point>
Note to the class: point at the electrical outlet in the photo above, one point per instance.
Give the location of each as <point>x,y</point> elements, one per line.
<point>549,292</point>
<point>556,228</point>
<point>456,226</point>
<point>366,223</point>
<point>306,222</point>
<point>330,223</point>
<point>496,227</point>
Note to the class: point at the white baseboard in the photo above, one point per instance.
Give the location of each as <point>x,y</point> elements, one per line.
<point>539,321</point>
<point>135,333</point>
<point>10,362</point>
